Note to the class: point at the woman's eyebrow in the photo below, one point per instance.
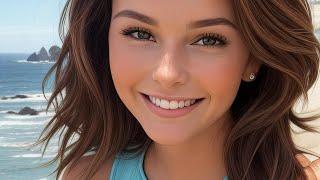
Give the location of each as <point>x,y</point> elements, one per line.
<point>194,24</point>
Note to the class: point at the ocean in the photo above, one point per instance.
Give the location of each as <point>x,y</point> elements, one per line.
<point>17,160</point>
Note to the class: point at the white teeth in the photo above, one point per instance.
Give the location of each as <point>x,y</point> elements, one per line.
<point>174,105</point>
<point>158,102</point>
<point>187,103</point>
<point>181,104</point>
<point>164,104</point>
<point>171,104</point>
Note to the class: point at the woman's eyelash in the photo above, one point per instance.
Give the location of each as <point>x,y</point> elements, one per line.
<point>213,38</point>
<point>205,37</point>
<point>129,31</point>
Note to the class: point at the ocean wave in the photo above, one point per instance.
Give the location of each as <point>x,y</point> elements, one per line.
<point>36,62</point>
<point>29,98</point>
<point>8,142</point>
<point>22,123</point>
<point>22,133</point>
<point>33,155</point>
<point>15,144</point>
<point>18,116</point>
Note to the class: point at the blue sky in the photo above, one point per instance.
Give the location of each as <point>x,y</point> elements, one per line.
<point>27,25</point>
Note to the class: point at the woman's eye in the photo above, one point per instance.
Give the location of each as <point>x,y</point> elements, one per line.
<point>138,33</point>
<point>212,40</point>
<point>208,39</point>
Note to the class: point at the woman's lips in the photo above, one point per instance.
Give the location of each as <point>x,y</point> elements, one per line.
<point>169,113</point>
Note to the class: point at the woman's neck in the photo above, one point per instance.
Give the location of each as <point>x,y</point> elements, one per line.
<point>199,158</point>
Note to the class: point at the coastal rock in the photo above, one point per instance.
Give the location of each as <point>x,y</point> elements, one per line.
<point>28,110</point>
<point>11,112</point>
<point>19,96</point>
<point>14,97</point>
<point>33,57</point>
<point>43,54</point>
<point>25,111</point>
<point>54,52</point>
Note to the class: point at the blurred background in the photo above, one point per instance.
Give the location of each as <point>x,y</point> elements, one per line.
<point>29,46</point>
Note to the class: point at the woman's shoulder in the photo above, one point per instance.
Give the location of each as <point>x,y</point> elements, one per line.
<point>76,171</point>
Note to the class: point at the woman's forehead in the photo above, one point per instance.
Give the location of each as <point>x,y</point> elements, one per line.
<point>177,10</point>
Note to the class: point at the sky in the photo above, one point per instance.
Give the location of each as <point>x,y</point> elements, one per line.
<point>28,25</point>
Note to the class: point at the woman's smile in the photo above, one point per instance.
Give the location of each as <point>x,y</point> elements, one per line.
<point>170,109</point>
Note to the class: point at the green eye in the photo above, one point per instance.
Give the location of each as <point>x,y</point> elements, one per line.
<point>137,33</point>
<point>210,40</point>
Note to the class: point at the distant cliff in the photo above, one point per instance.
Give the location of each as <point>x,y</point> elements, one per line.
<point>43,55</point>
<point>54,53</point>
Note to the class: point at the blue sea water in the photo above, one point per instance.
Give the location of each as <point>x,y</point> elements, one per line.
<point>17,159</point>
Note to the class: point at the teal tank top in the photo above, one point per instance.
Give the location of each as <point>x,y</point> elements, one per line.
<point>130,167</point>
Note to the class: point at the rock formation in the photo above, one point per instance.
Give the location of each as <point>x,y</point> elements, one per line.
<point>25,111</point>
<point>14,97</point>
<point>33,57</point>
<point>43,55</point>
<point>54,53</point>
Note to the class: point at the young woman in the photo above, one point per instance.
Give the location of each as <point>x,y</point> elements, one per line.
<point>183,89</point>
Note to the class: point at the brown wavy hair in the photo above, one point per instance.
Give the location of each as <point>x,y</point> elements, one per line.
<point>279,34</point>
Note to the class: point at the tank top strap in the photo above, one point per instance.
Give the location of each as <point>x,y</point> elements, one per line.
<point>128,166</point>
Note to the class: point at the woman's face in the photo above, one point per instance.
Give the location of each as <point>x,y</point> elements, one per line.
<point>175,54</point>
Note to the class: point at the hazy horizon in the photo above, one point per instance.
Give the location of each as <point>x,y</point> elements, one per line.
<point>26,26</point>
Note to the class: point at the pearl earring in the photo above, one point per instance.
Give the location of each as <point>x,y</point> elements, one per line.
<point>252,76</point>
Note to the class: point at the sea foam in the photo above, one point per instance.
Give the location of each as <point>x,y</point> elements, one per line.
<point>36,62</point>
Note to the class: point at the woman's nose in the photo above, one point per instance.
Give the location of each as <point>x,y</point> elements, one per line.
<point>171,70</point>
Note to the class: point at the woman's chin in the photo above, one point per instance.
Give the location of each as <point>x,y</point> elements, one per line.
<point>168,137</point>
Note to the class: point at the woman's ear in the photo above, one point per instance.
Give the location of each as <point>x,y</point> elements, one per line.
<point>252,66</point>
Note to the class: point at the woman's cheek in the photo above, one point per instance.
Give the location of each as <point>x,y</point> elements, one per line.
<point>122,68</point>
<point>221,79</point>
<point>129,65</point>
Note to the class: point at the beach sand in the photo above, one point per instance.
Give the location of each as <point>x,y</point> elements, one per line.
<point>310,141</point>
